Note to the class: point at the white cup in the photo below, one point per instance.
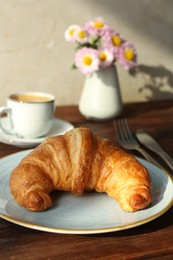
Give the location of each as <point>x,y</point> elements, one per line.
<point>30,114</point>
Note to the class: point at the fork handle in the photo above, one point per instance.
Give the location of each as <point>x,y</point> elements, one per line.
<point>149,157</point>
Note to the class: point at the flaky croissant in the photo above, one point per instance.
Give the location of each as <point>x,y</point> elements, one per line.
<point>78,161</point>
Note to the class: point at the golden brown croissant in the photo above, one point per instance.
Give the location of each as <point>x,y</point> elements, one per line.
<point>78,161</point>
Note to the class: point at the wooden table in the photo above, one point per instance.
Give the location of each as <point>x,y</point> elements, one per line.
<point>149,241</point>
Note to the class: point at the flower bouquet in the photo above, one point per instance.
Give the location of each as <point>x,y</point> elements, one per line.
<point>100,46</point>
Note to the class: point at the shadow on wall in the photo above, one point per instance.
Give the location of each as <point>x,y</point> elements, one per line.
<point>156,80</point>
<point>151,18</point>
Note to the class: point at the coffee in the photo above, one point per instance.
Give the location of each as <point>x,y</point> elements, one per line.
<point>30,98</point>
<point>31,114</point>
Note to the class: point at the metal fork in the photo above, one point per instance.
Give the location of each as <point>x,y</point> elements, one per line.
<point>128,141</point>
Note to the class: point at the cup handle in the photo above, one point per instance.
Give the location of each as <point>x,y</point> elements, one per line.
<point>3,128</point>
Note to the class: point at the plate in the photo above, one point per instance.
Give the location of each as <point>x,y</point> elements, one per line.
<point>91,213</point>
<point>59,127</point>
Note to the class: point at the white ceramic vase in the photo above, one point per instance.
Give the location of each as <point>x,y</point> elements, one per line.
<point>101,97</point>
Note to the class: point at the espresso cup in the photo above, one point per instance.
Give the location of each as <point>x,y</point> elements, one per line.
<point>30,114</point>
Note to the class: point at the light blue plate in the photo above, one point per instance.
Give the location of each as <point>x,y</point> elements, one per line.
<point>88,214</point>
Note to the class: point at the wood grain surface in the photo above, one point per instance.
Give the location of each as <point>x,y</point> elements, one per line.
<point>153,240</point>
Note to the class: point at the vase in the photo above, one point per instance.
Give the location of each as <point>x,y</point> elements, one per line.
<point>101,97</point>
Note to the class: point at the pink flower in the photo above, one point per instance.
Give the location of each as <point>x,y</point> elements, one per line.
<point>100,46</point>
<point>127,56</point>
<point>106,58</point>
<point>96,27</point>
<point>86,60</point>
<point>81,35</point>
<point>113,41</point>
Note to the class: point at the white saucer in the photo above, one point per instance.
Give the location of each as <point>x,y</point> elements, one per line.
<point>59,127</point>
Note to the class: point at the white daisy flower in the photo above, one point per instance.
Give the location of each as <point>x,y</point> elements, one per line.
<point>70,34</point>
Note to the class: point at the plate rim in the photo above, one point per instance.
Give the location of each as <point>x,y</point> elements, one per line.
<point>94,230</point>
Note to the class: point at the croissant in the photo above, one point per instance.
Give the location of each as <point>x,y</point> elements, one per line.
<point>79,161</point>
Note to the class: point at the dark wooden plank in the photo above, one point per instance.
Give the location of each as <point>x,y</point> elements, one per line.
<point>153,240</point>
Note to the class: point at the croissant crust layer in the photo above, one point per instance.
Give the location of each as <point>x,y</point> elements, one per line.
<point>77,161</point>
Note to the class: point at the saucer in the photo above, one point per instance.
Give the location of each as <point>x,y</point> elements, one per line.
<point>59,127</point>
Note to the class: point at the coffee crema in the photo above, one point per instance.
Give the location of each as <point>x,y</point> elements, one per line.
<point>30,98</point>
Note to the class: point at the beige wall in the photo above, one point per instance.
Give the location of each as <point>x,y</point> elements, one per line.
<point>35,56</point>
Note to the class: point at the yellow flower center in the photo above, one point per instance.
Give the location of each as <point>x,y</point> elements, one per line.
<point>116,40</point>
<point>87,60</point>
<point>82,34</point>
<point>71,32</point>
<point>98,24</point>
<point>102,56</point>
<point>129,54</point>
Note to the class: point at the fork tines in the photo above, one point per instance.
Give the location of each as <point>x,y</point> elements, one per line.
<point>122,129</point>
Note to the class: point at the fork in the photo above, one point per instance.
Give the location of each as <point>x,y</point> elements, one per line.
<point>128,141</point>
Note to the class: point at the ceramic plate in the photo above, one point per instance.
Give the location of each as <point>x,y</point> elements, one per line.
<point>59,127</point>
<point>88,214</point>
